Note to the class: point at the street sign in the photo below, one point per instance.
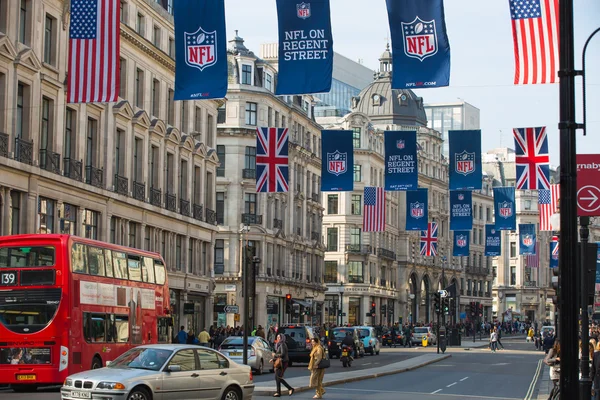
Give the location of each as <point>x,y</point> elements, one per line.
<point>443,293</point>
<point>588,185</point>
<point>221,308</point>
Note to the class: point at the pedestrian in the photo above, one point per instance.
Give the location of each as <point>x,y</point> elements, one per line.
<point>553,361</point>
<point>316,374</point>
<point>499,343</point>
<point>182,336</point>
<point>280,363</point>
<point>260,332</point>
<point>204,337</point>
<point>493,340</point>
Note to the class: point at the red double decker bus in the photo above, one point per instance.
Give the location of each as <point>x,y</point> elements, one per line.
<point>69,304</point>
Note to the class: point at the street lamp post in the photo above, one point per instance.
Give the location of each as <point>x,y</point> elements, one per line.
<point>246,292</point>
<point>341,303</point>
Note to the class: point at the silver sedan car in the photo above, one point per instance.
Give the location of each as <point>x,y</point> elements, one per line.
<point>164,372</point>
<point>259,352</point>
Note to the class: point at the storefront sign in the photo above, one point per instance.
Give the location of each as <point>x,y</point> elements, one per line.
<point>188,308</point>
<point>230,288</point>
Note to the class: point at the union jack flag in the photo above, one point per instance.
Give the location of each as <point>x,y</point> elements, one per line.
<point>429,240</point>
<point>272,160</point>
<point>532,159</point>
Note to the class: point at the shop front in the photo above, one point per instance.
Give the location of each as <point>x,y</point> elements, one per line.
<point>197,321</point>
<point>332,309</point>
<point>274,311</point>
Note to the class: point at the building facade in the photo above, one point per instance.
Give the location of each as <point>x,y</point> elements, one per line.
<point>140,172</point>
<point>444,117</point>
<point>282,229</point>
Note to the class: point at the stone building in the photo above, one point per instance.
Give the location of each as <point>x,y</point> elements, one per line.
<point>140,172</point>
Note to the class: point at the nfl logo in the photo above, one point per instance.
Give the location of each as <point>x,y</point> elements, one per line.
<point>493,231</point>
<point>527,240</point>
<point>200,48</point>
<point>465,163</point>
<point>336,163</point>
<point>417,210</point>
<point>303,10</point>
<point>461,197</point>
<point>420,38</point>
<point>506,209</point>
<point>461,240</point>
<point>555,256</point>
<point>400,144</point>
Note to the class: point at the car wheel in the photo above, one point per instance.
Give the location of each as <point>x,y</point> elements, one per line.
<point>261,367</point>
<point>232,393</point>
<point>139,393</point>
<point>96,363</point>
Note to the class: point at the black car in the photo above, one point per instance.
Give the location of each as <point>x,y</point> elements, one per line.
<point>334,341</point>
<point>298,339</point>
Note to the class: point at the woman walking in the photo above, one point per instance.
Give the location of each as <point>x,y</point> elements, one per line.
<point>316,374</point>
<point>553,361</point>
<point>493,340</point>
<point>280,364</point>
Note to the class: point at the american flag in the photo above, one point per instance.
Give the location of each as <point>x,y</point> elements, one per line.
<point>374,210</point>
<point>535,39</point>
<point>94,51</point>
<point>531,158</point>
<point>272,160</point>
<point>554,244</point>
<point>533,260</point>
<point>429,240</point>
<point>548,205</point>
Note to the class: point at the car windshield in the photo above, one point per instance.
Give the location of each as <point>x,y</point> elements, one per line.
<point>363,332</point>
<point>297,334</point>
<point>235,342</point>
<point>421,330</point>
<point>142,358</point>
<point>341,333</point>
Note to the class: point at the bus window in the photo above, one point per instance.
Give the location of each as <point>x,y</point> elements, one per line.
<point>159,269</point>
<point>94,327</point>
<point>78,258</point>
<point>135,273</point>
<point>108,260</point>
<point>96,261</point>
<point>148,270</point>
<point>120,264</point>
<point>18,257</point>
<point>121,328</point>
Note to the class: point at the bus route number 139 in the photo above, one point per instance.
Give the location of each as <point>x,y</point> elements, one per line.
<point>8,278</point>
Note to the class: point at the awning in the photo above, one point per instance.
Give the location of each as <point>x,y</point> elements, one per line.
<point>301,302</point>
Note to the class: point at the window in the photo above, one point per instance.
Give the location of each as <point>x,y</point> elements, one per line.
<point>46,215</point>
<point>134,266</point>
<point>24,21</point>
<point>140,24</point>
<point>355,272</point>
<point>123,10</point>
<point>148,270</point>
<point>357,173</point>
<point>170,107</point>
<point>120,265</point>
<point>220,208</point>
<point>138,149</point>
<point>210,131</point>
<point>198,121</point>
<point>119,153</point>
<point>208,359</point>
<point>269,83</point>
<point>332,204</point>
<point>488,214</point>
<point>96,263</point>
<point>331,273</point>
<point>251,113</point>
<point>15,214</point>
<point>356,203</point>
<point>221,155</point>
<point>246,74</point>
<point>46,133</point>
<point>139,88</point>
<point>219,256</point>
<point>513,275</point>
<point>185,359</point>
<point>79,258</point>
<point>120,328</point>
<point>332,239</point>
<point>183,117</point>
<point>356,132</point>
<point>355,236</point>
<point>90,148</point>
<point>153,170</point>
<point>171,48</point>
<point>69,144</point>
<point>178,252</point>
<point>250,203</point>
<point>156,36</point>
<point>155,97</point>
<point>527,205</point>
<point>94,327</point>
<point>69,220</point>
<point>90,224</point>
<point>513,249</point>
<point>221,115</point>
<point>122,78</point>
<point>22,112</point>
<point>250,158</point>
<point>50,40</point>
<point>133,227</point>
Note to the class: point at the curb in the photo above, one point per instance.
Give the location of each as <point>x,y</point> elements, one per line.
<point>269,392</point>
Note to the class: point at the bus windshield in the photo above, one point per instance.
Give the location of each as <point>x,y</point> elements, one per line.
<point>29,311</point>
<point>32,256</point>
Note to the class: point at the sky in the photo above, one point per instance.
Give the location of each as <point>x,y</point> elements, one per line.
<point>482,61</point>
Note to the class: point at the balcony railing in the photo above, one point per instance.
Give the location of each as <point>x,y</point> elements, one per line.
<point>358,248</point>
<point>277,223</point>
<point>198,211</point>
<point>24,151</point>
<point>3,144</point>
<point>316,236</point>
<point>385,253</point>
<point>50,161</point>
<point>94,176</point>
<point>211,216</point>
<point>184,207</point>
<point>248,219</point>
<point>170,201</point>
<point>155,197</point>
<point>248,173</point>
<point>139,191</point>
<point>121,185</point>
<point>72,169</point>
<point>315,197</point>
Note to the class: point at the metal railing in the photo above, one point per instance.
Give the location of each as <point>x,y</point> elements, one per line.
<point>184,207</point>
<point>155,197</point>
<point>385,253</point>
<point>50,161</point>
<point>139,191</point>
<point>94,176</point>
<point>121,185</point>
<point>24,151</point>
<point>255,219</point>
<point>4,144</point>
<point>211,216</point>
<point>248,173</point>
<point>170,202</point>
<point>277,223</point>
<point>358,248</point>
<point>72,169</point>
<point>198,211</point>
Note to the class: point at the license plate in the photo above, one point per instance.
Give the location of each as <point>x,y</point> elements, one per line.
<point>235,353</point>
<point>81,395</point>
<point>344,354</point>
<point>26,377</point>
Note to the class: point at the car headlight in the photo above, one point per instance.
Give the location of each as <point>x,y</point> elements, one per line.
<point>110,386</point>
<point>68,382</point>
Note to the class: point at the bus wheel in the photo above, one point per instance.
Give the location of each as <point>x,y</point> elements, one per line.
<point>139,393</point>
<point>96,363</point>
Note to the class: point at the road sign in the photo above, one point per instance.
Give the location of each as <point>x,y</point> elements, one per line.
<point>221,308</point>
<point>588,185</point>
<point>443,293</point>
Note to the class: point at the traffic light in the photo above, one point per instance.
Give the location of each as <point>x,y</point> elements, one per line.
<point>288,303</point>
<point>452,306</point>
<point>373,309</point>
<point>446,303</point>
<point>436,302</point>
<point>473,308</point>
<point>480,309</point>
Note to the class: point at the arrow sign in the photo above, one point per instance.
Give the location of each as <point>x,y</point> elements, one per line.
<point>231,309</point>
<point>588,185</point>
<point>443,293</point>
<point>588,198</point>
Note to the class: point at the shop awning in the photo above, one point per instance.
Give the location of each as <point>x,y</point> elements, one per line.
<point>301,302</point>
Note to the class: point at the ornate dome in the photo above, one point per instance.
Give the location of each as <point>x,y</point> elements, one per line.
<point>385,105</point>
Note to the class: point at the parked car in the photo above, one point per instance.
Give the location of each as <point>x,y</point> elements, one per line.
<point>336,335</point>
<point>259,352</point>
<point>420,332</point>
<point>387,339</point>
<point>298,340</point>
<point>369,339</point>
<point>167,371</point>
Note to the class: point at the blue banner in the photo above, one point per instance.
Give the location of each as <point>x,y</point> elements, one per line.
<point>337,155</point>
<point>461,210</point>
<point>420,47</point>
<point>493,242</point>
<point>504,208</point>
<point>527,239</point>
<point>401,171</point>
<point>461,244</point>
<point>305,47</point>
<point>200,49</point>
<point>465,160</point>
<point>554,256</point>
<point>416,210</point>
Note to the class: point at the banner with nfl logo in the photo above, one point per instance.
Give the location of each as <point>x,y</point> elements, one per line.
<point>200,49</point>
<point>420,47</point>
<point>504,208</point>
<point>461,244</point>
<point>493,242</point>
<point>305,47</point>
<point>337,155</point>
<point>527,239</point>
<point>465,160</point>
<point>461,210</point>
<point>401,160</point>
<point>554,255</point>
<point>416,210</point>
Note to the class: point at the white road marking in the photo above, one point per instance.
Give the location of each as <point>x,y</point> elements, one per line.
<point>452,384</point>
<point>464,379</point>
<point>439,390</point>
<point>367,363</point>
<point>467,396</point>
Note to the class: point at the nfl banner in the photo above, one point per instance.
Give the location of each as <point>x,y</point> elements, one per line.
<point>337,155</point>
<point>554,254</point>
<point>465,160</point>
<point>420,47</point>
<point>461,244</point>
<point>527,239</point>
<point>401,160</point>
<point>305,47</point>
<point>461,210</point>
<point>200,49</point>
<point>504,208</point>
<point>416,210</point>
<point>493,243</point>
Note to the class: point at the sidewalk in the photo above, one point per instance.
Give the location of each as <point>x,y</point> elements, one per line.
<point>545,383</point>
<point>300,384</point>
